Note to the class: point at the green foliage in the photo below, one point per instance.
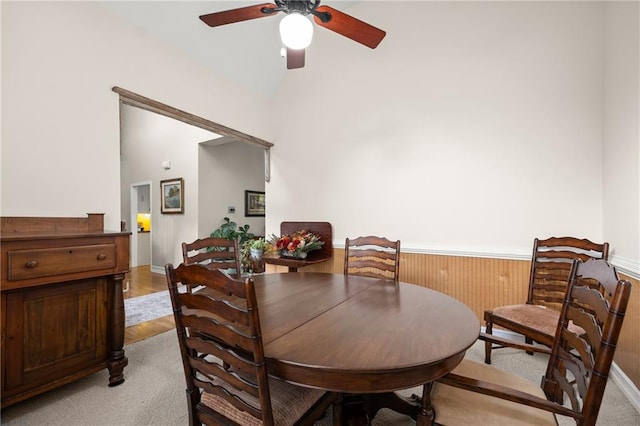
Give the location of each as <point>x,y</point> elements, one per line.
<point>258,244</point>
<point>245,261</point>
<point>245,251</point>
<point>230,230</point>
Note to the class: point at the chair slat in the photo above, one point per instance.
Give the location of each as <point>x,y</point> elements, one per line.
<point>205,302</point>
<point>380,254</point>
<point>215,253</point>
<point>226,378</point>
<point>368,263</point>
<point>599,312</point>
<point>372,256</point>
<point>230,397</point>
<point>218,327</point>
<point>226,354</point>
<point>551,264</point>
<point>577,369</point>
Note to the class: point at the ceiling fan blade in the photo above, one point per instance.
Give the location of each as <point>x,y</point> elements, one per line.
<point>238,15</point>
<point>349,26</point>
<point>295,58</point>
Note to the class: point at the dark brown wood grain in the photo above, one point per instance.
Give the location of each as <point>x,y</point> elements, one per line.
<point>579,363</point>
<point>94,222</point>
<point>358,334</point>
<point>372,256</point>
<point>550,267</point>
<point>216,253</point>
<point>361,335</point>
<point>219,332</point>
<point>62,303</point>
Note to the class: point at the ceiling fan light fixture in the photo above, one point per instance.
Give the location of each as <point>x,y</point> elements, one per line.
<point>296,31</point>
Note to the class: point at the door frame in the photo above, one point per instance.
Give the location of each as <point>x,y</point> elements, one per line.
<point>133,218</point>
<point>133,99</point>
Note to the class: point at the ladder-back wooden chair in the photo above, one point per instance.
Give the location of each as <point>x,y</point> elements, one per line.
<point>551,263</point>
<point>222,352</point>
<point>578,367</point>
<point>372,256</point>
<point>214,253</point>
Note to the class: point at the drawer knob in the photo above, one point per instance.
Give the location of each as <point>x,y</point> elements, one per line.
<point>31,264</point>
<point>102,256</point>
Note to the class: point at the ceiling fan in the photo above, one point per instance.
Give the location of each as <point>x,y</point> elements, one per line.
<point>295,29</point>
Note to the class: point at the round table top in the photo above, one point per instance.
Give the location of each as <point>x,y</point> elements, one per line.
<point>356,334</point>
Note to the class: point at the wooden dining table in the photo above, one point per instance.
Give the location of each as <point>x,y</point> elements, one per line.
<point>361,336</point>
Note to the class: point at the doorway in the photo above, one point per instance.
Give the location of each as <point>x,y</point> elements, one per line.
<point>166,149</point>
<point>141,224</point>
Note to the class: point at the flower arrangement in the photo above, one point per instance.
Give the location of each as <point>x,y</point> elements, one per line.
<point>297,245</point>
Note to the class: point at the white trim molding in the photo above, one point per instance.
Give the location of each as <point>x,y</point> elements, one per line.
<point>626,266</point>
<point>623,265</point>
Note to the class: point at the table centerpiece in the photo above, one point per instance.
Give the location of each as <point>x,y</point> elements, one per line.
<point>296,245</point>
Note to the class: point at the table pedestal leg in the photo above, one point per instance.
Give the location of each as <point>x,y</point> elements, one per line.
<point>360,409</point>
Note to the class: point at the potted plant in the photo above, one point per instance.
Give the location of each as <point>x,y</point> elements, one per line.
<point>257,247</point>
<point>231,231</point>
<point>251,254</point>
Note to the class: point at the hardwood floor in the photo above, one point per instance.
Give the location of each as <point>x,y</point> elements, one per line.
<point>142,281</point>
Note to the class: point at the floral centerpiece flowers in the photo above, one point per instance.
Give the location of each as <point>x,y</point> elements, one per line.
<point>297,245</point>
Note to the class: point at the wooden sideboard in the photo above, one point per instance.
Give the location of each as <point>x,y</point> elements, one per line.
<point>62,312</point>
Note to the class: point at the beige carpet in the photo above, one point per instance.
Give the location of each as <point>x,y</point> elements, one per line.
<point>153,393</point>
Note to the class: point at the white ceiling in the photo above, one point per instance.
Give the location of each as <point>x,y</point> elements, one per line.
<point>247,53</point>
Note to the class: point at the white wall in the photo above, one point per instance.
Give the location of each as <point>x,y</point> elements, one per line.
<point>226,171</point>
<point>473,127</point>
<point>60,126</point>
<point>622,132</point>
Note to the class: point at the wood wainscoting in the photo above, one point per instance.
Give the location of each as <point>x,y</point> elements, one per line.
<point>484,283</point>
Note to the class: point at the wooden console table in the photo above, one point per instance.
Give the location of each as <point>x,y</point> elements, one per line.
<point>322,229</point>
<point>62,304</point>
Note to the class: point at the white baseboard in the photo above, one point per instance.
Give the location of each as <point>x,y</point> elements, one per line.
<point>157,269</point>
<point>627,387</point>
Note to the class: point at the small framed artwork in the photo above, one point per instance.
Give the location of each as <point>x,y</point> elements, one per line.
<point>254,203</point>
<point>172,196</point>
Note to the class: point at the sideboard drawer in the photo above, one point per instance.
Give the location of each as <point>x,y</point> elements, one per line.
<point>25,264</point>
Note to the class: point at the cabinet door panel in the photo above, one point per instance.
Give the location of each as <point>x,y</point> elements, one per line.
<point>61,328</point>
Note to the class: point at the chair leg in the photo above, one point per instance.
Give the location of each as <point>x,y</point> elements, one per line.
<point>551,388</point>
<point>488,346</point>
<point>528,341</point>
<point>193,398</point>
<point>552,391</point>
<point>426,414</point>
<point>338,415</point>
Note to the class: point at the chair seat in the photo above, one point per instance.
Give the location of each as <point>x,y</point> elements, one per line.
<point>289,403</point>
<point>455,406</point>
<point>534,317</point>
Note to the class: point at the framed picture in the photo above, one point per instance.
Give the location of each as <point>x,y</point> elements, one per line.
<point>254,203</point>
<point>172,196</point>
